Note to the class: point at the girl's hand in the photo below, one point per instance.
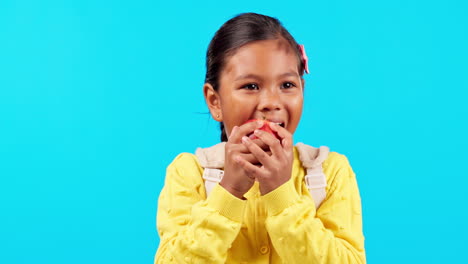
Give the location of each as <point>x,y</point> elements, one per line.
<point>277,167</point>
<point>235,179</point>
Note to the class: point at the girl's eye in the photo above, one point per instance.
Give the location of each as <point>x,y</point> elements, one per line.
<point>250,86</point>
<point>288,85</point>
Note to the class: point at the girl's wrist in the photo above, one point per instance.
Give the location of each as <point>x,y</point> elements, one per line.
<point>237,193</point>
<point>269,186</point>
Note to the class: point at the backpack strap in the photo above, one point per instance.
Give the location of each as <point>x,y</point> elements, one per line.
<point>316,181</point>
<point>212,161</point>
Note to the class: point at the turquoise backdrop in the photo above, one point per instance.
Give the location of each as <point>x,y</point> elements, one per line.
<point>97,98</point>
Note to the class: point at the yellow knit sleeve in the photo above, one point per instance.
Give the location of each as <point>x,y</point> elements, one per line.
<point>194,229</point>
<point>331,234</point>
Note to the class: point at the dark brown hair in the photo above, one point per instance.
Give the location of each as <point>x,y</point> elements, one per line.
<point>237,32</point>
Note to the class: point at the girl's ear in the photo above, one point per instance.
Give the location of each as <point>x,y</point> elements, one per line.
<point>213,101</point>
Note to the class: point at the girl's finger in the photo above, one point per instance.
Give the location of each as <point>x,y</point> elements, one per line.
<point>284,134</point>
<point>261,144</point>
<point>251,158</point>
<point>233,132</point>
<point>244,130</point>
<point>251,170</point>
<point>261,155</point>
<point>273,143</point>
<point>241,148</point>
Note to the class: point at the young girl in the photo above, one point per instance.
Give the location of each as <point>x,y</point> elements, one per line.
<point>255,198</point>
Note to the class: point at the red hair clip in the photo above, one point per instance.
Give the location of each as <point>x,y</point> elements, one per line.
<point>304,58</point>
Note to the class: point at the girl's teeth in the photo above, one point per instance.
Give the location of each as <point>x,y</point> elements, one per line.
<point>280,124</point>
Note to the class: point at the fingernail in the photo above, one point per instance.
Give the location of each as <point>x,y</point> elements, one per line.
<point>259,123</point>
<point>257,132</point>
<point>245,139</point>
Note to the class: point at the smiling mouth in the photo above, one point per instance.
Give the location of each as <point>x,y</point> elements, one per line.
<point>276,121</point>
<point>281,124</point>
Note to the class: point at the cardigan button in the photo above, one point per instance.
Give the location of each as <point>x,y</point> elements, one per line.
<point>264,250</point>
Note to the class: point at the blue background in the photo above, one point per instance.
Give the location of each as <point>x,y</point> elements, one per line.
<point>97,98</point>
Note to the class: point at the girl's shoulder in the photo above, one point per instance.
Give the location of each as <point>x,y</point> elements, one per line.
<point>336,161</point>
<point>184,161</point>
<point>338,172</point>
<point>317,160</point>
<point>210,157</point>
<point>311,156</point>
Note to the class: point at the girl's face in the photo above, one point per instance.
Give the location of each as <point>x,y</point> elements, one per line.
<point>259,81</point>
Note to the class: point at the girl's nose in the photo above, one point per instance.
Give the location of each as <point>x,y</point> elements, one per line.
<point>269,101</point>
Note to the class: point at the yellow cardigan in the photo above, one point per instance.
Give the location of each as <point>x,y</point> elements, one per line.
<point>282,226</point>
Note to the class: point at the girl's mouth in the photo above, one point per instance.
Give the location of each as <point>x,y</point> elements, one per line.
<point>281,124</point>
<point>276,121</point>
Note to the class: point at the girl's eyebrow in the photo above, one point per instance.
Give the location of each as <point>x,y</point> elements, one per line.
<point>291,73</point>
<point>254,76</point>
<point>248,76</point>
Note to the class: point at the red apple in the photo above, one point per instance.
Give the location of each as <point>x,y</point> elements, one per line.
<point>265,127</point>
